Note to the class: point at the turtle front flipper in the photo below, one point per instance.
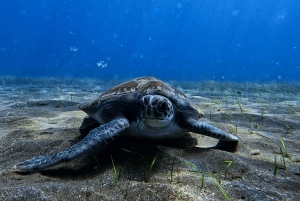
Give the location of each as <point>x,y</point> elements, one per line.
<point>97,138</point>
<point>210,130</point>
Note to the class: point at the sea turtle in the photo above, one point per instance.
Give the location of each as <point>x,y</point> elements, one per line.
<point>144,107</point>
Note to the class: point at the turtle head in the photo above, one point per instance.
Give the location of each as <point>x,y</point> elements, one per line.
<point>157,111</point>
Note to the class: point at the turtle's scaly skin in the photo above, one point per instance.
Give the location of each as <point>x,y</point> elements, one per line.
<point>98,137</point>
<point>141,108</point>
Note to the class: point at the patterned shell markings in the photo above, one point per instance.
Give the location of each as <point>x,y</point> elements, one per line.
<point>145,85</point>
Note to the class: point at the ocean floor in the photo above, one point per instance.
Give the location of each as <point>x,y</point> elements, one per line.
<point>40,117</point>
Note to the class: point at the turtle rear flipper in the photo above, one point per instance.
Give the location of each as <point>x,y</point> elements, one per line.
<point>97,138</point>
<point>210,130</point>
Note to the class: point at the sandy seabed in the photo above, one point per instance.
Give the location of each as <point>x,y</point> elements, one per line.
<point>39,117</point>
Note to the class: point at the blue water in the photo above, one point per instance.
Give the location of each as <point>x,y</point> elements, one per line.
<point>232,40</point>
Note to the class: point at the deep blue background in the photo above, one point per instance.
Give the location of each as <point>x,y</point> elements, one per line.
<point>236,40</point>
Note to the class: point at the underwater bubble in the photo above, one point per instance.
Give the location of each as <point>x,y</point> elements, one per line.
<point>23,12</point>
<point>235,13</point>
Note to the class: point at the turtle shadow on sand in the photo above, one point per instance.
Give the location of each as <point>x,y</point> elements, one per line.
<point>131,156</point>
